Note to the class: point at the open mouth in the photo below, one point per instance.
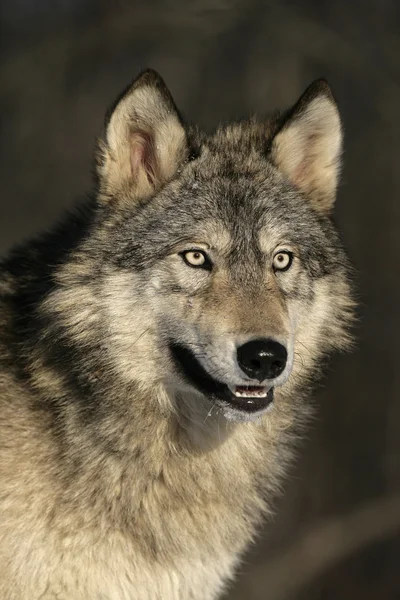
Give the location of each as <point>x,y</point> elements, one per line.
<point>245,398</point>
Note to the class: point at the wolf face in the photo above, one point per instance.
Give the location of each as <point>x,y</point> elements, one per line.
<point>221,277</point>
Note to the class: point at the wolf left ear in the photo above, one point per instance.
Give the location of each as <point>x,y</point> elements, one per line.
<point>144,141</point>
<point>308,146</point>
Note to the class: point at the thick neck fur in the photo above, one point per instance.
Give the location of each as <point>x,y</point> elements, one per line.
<point>148,459</point>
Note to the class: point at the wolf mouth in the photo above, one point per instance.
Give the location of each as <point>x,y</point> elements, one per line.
<point>245,398</point>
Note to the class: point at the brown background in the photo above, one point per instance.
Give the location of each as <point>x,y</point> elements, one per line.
<point>62,64</point>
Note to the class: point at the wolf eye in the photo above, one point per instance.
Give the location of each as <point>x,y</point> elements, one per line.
<point>282,260</point>
<point>196,258</point>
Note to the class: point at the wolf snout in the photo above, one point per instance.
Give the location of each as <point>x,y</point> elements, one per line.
<point>262,359</point>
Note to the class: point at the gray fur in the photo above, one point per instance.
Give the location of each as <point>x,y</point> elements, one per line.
<point>120,479</point>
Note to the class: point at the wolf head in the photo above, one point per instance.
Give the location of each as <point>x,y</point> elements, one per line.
<point>220,276</point>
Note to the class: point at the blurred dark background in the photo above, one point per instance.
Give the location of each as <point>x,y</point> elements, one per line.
<point>336,531</point>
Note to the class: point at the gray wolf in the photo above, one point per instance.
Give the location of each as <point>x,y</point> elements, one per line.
<point>157,351</point>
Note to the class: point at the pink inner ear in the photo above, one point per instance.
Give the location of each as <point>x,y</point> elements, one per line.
<point>143,155</point>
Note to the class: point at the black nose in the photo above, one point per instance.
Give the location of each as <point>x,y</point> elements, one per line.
<point>262,359</point>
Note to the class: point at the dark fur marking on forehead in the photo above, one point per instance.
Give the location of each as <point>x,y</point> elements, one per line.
<point>241,205</point>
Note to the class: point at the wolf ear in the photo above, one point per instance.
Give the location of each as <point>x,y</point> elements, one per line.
<point>144,141</point>
<point>308,146</point>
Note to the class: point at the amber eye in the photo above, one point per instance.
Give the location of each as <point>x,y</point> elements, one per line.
<point>196,258</point>
<point>282,260</point>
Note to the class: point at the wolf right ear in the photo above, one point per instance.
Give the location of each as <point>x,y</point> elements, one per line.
<point>308,146</point>
<point>144,142</point>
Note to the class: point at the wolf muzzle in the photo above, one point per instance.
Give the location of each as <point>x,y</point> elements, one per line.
<point>261,360</point>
